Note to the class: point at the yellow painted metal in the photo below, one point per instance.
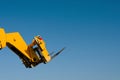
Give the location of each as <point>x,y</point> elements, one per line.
<point>2,38</point>
<point>32,54</point>
<point>42,46</point>
<point>15,40</point>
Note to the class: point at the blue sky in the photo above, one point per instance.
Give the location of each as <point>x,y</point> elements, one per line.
<point>90,30</point>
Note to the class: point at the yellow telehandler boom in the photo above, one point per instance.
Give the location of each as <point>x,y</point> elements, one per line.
<point>32,54</point>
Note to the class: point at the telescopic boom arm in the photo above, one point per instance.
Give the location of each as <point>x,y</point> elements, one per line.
<point>32,54</point>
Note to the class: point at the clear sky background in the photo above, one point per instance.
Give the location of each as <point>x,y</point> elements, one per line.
<point>90,29</point>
